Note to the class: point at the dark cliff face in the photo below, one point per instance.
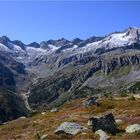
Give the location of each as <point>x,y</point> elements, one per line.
<point>12,73</point>
<point>11,106</point>
<point>9,71</point>
<point>6,77</point>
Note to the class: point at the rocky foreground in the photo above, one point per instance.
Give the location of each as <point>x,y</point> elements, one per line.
<point>108,117</point>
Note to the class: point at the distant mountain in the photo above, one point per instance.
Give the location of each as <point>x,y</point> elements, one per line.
<point>49,73</point>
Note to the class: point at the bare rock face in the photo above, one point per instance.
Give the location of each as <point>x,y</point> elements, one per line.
<point>105,123</point>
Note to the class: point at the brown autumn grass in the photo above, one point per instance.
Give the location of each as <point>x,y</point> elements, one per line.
<point>34,127</point>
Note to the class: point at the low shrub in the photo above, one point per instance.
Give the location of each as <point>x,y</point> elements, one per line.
<point>131,98</point>
<point>123,94</point>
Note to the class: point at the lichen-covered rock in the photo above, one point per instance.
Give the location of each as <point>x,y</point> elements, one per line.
<point>102,134</point>
<point>69,128</point>
<point>105,123</point>
<point>132,128</point>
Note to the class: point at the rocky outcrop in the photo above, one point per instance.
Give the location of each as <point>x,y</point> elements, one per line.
<point>105,123</point>
<point>69,128</point>
<point>133,128</point>
<point>91,101</point>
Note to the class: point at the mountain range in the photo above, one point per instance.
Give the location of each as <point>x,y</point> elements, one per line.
<point>48,74</point>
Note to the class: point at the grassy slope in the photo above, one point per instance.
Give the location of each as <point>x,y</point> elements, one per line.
<point>31,128</point>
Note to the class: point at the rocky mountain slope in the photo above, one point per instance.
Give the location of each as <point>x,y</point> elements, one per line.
<point>55,71</point>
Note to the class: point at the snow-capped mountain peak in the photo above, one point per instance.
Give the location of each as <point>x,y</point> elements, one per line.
<point>76,46</point>
<point>117,40</point>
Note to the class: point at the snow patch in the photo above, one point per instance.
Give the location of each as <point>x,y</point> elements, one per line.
<point>4,48</point>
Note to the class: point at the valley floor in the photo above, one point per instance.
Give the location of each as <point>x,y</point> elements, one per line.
<point>45,123</point>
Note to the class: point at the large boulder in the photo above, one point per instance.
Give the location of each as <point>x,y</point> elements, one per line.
<point>69,128</point>
<point>133,128</point>
<point>91,101</point>
<point>104,122</point>
<point>102,134</point>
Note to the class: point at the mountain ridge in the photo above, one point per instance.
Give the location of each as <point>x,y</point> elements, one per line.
<point>55,71</point>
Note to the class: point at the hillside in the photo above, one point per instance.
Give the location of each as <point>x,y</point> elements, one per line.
<point>45,123</point>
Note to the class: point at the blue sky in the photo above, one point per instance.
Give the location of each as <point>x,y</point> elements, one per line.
<point>44,20</point>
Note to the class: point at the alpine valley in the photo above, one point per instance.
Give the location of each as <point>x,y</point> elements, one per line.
<point>38,77</point>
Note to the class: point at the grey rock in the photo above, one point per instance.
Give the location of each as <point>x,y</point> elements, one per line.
<point>91,101</point>
<point>133,128</point>
<point>43,137</point>
<point>69,128</point>
<point>54,110</point>
<point>104,122</point>
<point>103,135</point>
